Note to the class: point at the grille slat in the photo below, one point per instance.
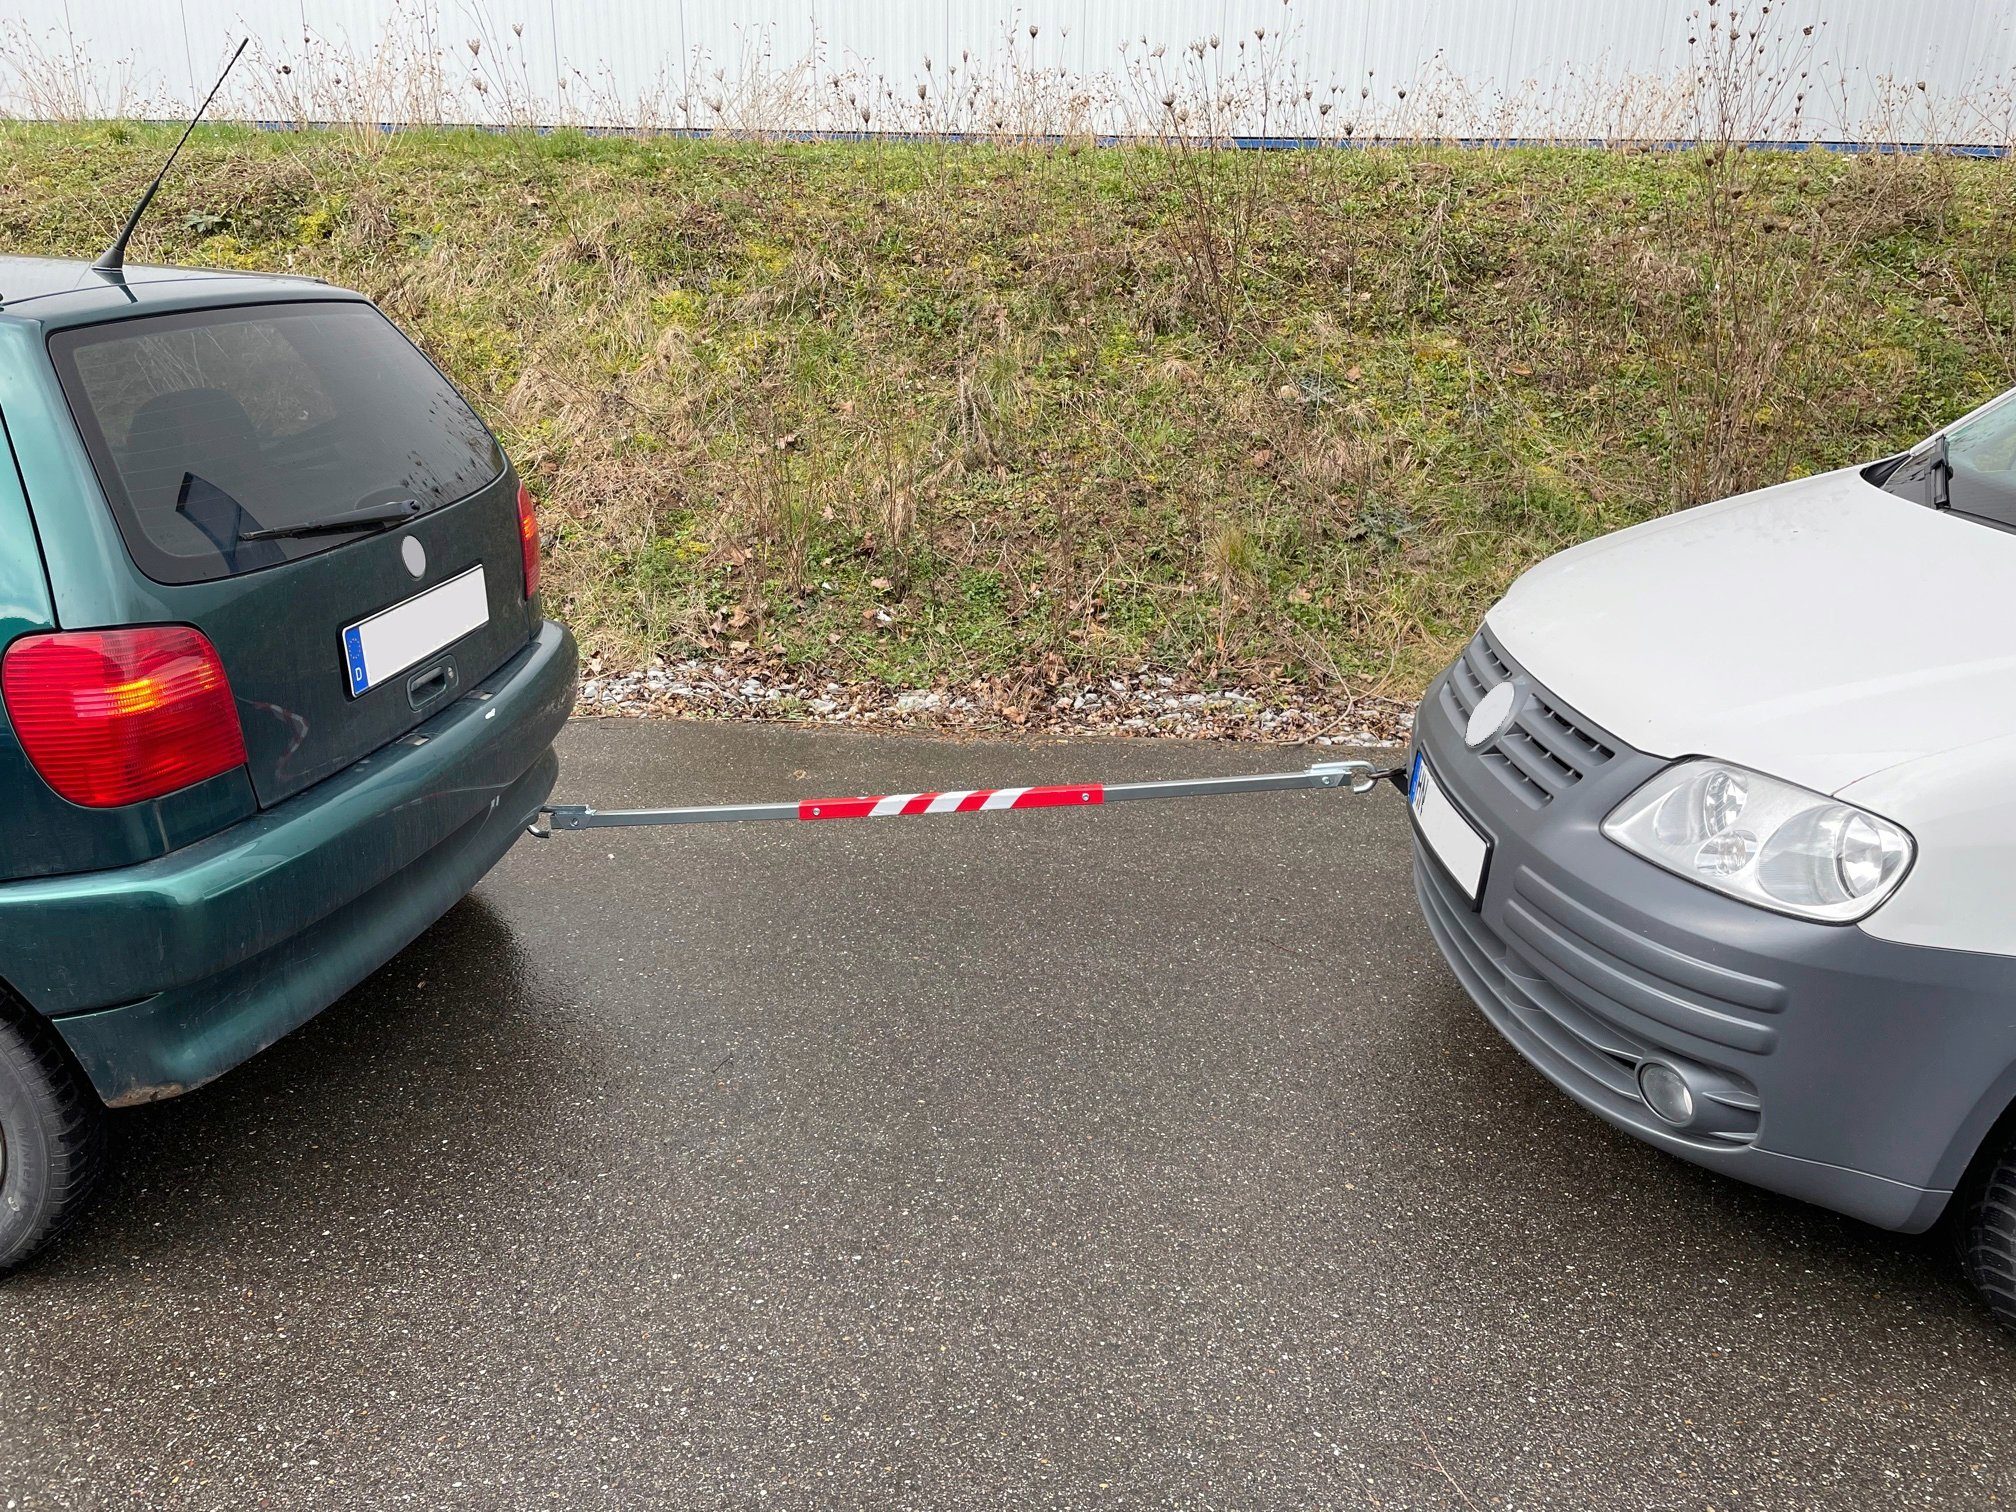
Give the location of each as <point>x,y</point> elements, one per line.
<point>1486,667</point>
<point>1524,788</point>
<point>1500,667</point>
<point>1536,763</point>
<point>1569,743</point>
<point>1545,752</point>
<point>1468,685</point>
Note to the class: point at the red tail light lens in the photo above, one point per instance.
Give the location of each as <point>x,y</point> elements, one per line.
<point>528,540</point>
<point>121,716</point>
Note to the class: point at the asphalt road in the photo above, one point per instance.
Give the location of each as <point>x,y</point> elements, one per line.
<point>1147,1156</point>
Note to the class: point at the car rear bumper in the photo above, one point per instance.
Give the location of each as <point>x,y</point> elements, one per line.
<point>164,975</point>
<point>1855,1073</point>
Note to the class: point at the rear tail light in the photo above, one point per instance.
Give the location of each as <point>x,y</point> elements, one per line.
<point>122,716</point>
<point>528,540</point>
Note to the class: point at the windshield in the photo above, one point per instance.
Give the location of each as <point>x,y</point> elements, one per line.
<point>214,433</point>
<point>1980,452</point>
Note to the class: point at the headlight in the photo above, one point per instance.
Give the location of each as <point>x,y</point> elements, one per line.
<point>1764,841</point>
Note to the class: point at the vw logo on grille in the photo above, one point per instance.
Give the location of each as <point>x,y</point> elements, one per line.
<point>1492,717</point>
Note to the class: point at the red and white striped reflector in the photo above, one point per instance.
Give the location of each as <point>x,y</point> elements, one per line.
<point>970,801</point>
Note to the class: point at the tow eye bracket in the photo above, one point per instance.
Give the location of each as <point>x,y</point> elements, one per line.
<point>1356,777</point>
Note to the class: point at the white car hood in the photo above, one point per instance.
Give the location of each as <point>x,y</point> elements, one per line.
<point>1821,631</point>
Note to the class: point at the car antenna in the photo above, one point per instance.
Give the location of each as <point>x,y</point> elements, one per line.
<point>113,258</point>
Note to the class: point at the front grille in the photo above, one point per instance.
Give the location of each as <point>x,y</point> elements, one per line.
<point>1544,752</point>
<point>1589,1001</point>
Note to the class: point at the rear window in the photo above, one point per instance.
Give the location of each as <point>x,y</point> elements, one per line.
<point>210,425</point>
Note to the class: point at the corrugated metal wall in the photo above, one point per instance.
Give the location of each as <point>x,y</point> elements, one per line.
<point>1421,67</point>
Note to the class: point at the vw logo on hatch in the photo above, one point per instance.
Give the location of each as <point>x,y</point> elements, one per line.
<point>414,555</point>
<point>1492,717</point>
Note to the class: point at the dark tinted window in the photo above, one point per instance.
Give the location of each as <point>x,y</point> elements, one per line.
<point>207,426</point>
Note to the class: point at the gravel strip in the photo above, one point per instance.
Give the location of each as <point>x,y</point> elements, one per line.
<point>1141,703</point>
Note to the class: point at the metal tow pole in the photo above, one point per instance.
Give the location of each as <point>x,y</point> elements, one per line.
<point>1348,776</point>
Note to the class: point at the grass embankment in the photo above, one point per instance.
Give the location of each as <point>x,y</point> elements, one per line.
<point>919,415</point>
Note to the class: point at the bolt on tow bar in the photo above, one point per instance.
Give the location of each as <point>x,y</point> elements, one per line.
<point>1347,776</point>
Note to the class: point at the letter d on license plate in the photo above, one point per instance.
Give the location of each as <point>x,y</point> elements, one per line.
<point>394,639</point>
<point>1449,836</point>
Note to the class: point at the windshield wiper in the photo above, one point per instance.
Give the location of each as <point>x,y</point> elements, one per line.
<point>377,517</point>
<point>1935,455</point>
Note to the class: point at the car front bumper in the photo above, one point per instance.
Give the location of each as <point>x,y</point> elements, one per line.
<point>164,975</point>
<point>1852,1072</point>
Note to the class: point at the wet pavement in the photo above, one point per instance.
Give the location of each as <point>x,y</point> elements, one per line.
<point>1147,1156</point>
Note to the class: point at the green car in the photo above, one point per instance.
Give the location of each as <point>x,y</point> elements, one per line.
<point>275,689</point>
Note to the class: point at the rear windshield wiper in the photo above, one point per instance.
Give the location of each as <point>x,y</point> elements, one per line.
<point>377,517</point>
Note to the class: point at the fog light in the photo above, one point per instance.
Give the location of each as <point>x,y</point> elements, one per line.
<point>1666,1093</point>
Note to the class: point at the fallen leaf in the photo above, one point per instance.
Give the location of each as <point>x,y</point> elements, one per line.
<point>881,585</point>
<point>1353,373</point>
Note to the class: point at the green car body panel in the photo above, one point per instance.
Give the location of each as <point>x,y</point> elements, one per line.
<point>171,939</point>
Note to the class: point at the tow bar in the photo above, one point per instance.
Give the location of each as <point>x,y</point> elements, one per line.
<point>1344,776</point>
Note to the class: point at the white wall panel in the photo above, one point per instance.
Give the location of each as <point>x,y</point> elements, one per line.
<point>1527,67</point>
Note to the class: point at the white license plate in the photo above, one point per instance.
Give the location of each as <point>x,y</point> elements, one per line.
<point>394,639</point>
<point>1451,839</point>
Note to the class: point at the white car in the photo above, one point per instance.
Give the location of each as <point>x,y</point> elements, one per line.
<point>1715,819</point>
